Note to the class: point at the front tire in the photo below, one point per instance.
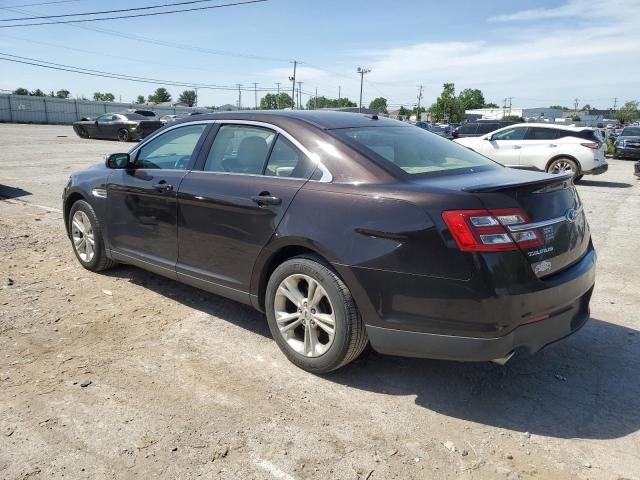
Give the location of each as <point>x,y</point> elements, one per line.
<point>564,165</point>
<point>86,238</point>
<point>82,132</point>
<point>312,315</point>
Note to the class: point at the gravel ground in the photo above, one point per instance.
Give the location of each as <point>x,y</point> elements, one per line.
<point>130,375</point>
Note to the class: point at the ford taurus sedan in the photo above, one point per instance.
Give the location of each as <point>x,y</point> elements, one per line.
<point>346,230</point>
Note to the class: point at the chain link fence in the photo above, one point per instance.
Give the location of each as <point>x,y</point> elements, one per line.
<point>28,109</point>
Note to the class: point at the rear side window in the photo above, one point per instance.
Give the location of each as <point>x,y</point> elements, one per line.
<point>541,133</point>
<point>413,151</point>
<point>591,135</point>
<point>240,149</point>
<point>469,129</point>
<point>287,161</point>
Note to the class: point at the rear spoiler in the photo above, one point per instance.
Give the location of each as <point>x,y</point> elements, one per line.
<point>546,180</point>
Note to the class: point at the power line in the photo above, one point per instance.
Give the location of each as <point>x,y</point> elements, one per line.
<point>149,7</point>
<point>42,3</point>
<point>137,15</point>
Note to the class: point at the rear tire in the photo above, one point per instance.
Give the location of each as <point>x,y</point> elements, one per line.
<point>308,319</point>
<point>82,133</point>
<point>85,231</point>
<point>124,135</point>
<point>564,165</point>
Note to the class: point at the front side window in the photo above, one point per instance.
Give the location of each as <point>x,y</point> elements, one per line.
<point>414,151</point>
<point>239,149</point>
<point>172,149</point>
<point>106,118</point>
<point>469,129</point>
<point>541,133</point>
<point>510,134</point>
<point>487,127</point>
<point>287,161</point>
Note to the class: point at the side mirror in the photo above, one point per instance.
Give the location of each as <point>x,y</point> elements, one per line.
<point>118,161</point>
<point>488,137</point>
<point>96,122</point>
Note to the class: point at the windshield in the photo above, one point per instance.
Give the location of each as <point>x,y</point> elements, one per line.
<point>631,131</point>
<point>414,150</point>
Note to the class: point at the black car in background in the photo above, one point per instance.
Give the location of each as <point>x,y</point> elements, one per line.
<point>117,126</point>
<point>479,127</point>
<point>627,145</point>
<point>345,229</point>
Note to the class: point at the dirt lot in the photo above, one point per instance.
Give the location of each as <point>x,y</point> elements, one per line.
<point>185,384</point>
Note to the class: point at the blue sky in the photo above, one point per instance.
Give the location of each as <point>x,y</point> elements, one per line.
<point>538,52</point>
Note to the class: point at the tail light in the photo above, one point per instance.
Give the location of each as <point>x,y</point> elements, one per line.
<point>594,145</point>
<point>486,230</point>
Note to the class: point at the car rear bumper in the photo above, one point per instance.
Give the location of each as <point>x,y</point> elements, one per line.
<point>410,315</point>
<point>598,170</point>
<point>633,153</point>
<point>526,339</point>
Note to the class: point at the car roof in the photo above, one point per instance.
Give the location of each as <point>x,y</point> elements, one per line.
<point>326,120</point>
<point>553,125</point>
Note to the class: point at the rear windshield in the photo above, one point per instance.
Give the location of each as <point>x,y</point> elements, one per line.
<point>414,151</point>
<point>134,116</point>
<point>631,131</point>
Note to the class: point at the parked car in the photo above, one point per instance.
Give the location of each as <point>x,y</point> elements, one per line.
<point>117,126</point>
<point>478,128</point>
<point>627,144</point>
<point>345,229</point>
<point>637,169</point>
<point>444,131</point>
<point>169,118</point>
<point>542,147</point>
<point>144,113</point>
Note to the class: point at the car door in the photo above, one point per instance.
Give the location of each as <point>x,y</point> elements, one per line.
<point>106,126</point>
<point>539,145</point>
<point>504,145</point>
<point>142,207</point>
<point>230,207</point>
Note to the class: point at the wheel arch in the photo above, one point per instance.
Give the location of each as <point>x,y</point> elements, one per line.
<point>564,155</point>
<point>72,198</point>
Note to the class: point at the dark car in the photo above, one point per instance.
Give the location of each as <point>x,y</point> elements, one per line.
<point>480,127</point>
<point>345,230</point>
<point>627,144</point>
<point>117,126</point>
<point>144,113</point>
<point>637,168</point>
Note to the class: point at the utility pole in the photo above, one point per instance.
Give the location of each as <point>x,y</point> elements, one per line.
<point>299,94</point>
<point>362,71</point>
<point>339,92</point>
<point>195,101</point>
<point>504,108</point>
<point>418,115</point>
<point>510,105</point>
<point>255,94</point>
<point>315,103</point>
<point>239,96</point>
<point>293,85</point>
<point>615,104</point>
<point>278,97</point>
<point>575,105</point>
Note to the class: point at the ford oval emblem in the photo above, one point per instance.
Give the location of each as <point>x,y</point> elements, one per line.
<point>571,215</point>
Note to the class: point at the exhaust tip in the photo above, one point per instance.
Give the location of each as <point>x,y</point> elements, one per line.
<point>505,359</point>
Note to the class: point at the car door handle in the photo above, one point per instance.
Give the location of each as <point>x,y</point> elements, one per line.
<point>266,200</point>
<point>552,145</point>
<point>517,147</point>
<point>163,186</point>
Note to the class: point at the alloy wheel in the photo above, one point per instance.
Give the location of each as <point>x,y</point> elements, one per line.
<point>562,166</point>
<point>82,234</point>
<point>304,315</point>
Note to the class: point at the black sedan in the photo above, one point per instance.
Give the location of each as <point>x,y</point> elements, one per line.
<point>345,229</point>
<point>627,145</point>
<point>117,126</point>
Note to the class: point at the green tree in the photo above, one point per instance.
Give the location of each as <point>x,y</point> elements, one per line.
<point>188,97</point>
<point>559,107</point>
<point>324,102</point>
<point>586,108</point>
<point>490,105</point>
<point>103,97</point>
<point>62,93</point>
<point>139,99</point>
<point>575,118</point>
<point>448,107</point>
<point>403,112</point>
<point>21,91</point>
<point>471,98</point>
<point>513,118</point>
<point>629,111</point>
<point>161,95</point>
<point>379,104</point>
<point>37,93</point>
<point>275,101</point>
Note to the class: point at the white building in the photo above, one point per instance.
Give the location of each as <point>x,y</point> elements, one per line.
<point>498,113</point>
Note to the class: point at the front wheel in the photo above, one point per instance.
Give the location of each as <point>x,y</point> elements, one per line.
<point>86,238</point>
<point>564,165</point>
<point>312,315</point>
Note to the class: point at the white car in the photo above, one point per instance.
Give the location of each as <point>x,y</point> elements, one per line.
<point>544,147</point>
